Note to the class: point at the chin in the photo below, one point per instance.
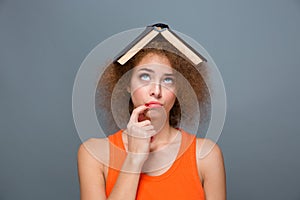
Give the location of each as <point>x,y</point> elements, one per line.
<point>156,113</point>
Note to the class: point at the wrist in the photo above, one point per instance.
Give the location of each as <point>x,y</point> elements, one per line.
<point>134,162</point>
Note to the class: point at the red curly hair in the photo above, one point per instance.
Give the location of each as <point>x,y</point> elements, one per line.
<point>107,92</point>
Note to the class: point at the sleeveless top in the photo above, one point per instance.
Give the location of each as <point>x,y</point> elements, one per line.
<point>180,182</point>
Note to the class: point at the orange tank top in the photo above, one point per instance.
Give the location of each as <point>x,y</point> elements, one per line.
<point>180,181</point>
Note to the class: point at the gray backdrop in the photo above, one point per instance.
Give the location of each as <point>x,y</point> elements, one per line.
<point>255,44</point>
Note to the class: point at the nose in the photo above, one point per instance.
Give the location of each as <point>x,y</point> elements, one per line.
<point>155,90</point>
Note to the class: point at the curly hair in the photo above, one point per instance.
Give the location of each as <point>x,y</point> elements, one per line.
<point>111,90</point>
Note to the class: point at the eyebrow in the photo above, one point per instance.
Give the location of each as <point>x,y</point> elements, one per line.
<point>146,69</point>
<point>150,70</point>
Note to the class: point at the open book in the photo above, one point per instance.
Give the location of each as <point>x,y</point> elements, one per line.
<point>149,34</point>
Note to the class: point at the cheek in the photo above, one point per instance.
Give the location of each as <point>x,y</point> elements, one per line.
<point>170,98</point>
<point>137,96</point>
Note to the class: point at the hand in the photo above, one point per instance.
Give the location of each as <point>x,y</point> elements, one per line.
<point>139,134</point>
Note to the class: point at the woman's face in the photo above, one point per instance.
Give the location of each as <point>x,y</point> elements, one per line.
<point>153,84</point>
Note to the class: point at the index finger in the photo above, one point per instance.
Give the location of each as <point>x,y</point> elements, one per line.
<point>136,112</point>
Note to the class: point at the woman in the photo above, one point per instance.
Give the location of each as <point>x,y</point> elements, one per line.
<point>152,158</point>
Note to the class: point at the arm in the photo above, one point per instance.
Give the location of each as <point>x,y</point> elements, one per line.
<point>138,139</point>
<point>91,175</point>
<point>91,171</point>
<point>211,169</point>
<point>127,182</point>
<point>92,179</point>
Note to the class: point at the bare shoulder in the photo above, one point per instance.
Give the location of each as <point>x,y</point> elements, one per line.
<point>209,158</point>
<point>94,150</point>
<point>211,169</point>
<point>208,150</point>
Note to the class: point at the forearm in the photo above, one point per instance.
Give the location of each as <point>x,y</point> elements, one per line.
<point>128,180</point>
<point>137,138</point>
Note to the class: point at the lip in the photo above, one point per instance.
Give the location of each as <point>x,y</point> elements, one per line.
<point>153,104</point>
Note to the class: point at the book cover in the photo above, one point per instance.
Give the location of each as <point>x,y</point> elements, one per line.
<point>150,33</point>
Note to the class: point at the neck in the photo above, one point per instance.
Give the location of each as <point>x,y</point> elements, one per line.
<point>165,135</point>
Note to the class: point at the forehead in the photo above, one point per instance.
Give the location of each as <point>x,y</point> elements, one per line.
<point>155,62</point>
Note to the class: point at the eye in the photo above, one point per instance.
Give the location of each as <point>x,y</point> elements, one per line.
<point>145,77</point>
<point>169,80</point>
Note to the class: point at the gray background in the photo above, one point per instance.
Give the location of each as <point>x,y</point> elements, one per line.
<point>255,44</point>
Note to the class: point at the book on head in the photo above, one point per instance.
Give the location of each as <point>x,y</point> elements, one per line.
<point>149,34</point>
